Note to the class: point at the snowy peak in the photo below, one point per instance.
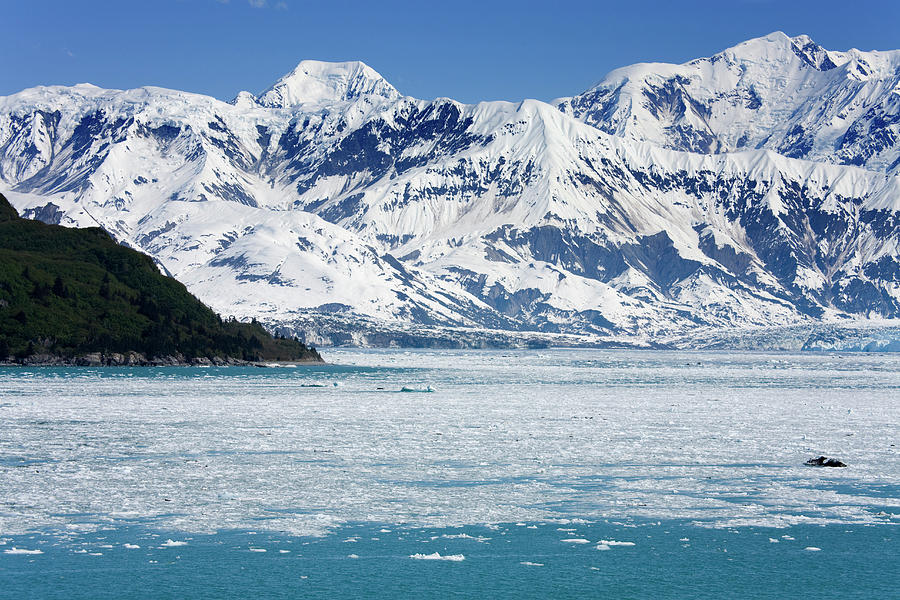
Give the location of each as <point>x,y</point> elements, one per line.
<point>316,81</point>
<point>786,94</point>
<point>812,54</point>
<point>778,46</point>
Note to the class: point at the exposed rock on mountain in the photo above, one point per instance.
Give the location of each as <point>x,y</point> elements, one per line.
<point>758,187</point>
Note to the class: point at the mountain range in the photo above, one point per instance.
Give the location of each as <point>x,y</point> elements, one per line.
<point>757,188</point>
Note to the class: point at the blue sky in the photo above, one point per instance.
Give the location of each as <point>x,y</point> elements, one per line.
<point>464,49</point>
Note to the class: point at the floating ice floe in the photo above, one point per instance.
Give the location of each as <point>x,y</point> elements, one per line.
<point>130,546</point>
<point>576,541</point>
<point>531,564</point>
<point>172,544</point>
<point>15,550</point>
<point>257,549</point>
<point>611,543</point>
<point>812,549</point>
<point>438,556</point>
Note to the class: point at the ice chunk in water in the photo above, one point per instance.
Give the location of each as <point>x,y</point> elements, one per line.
<point>15,550</point>
<point>438,556</point>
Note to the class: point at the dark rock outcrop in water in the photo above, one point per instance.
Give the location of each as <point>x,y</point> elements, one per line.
<point>823,461</point>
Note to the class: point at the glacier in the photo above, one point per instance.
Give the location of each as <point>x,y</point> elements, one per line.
<point>754,190</point>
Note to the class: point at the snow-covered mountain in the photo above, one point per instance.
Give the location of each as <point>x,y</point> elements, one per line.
<point>785,94</point>
<point>665,199</point>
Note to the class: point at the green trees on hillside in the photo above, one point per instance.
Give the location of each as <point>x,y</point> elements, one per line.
<point>69,292</point>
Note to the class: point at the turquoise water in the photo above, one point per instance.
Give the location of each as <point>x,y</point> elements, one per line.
<point>520,475</point>
<point>668,560</point>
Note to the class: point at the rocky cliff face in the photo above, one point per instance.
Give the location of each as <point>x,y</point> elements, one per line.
<point>757,187</point>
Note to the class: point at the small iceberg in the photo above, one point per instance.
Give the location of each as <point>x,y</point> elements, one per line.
<point>15,550</point>
<point>614,543</point>
<point>438,556</point>
<point>426,389</point>
<point>172,544</point>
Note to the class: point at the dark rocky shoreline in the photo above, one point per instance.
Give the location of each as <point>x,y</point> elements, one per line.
<point>136,359</point>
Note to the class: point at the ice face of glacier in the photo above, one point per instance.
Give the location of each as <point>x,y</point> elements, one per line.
<point>331,204</point>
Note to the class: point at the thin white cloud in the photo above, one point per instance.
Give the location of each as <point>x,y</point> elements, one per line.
<point>258,3</point>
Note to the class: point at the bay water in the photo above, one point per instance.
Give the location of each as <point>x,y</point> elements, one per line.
<point>435,474</point>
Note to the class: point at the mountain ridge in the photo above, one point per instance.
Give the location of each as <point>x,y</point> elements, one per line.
<point>524,218</point>
<point>773,92</point>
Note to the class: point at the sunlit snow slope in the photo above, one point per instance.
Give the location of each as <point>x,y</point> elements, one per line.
<point>757,187</point>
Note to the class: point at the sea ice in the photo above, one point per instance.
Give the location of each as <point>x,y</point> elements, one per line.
<point>15,550</point>
<point>299,463</point>
<point>615,543</point>
<point>437,556</point>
